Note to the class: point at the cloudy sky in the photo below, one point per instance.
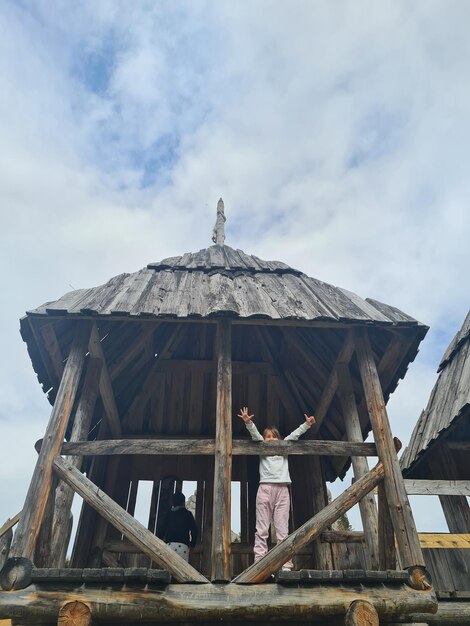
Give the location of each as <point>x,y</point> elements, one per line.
<point>338,134</point>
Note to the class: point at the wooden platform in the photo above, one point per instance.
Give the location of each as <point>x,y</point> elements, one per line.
<point>142,596</point>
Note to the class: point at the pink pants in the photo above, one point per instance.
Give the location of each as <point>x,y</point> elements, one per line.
<point>272,504</point>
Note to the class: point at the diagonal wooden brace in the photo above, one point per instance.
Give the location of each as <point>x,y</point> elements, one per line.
<point>137,534</point>
<point>275,558</point>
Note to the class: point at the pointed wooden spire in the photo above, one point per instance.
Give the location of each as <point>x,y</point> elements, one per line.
<point>218,234</point>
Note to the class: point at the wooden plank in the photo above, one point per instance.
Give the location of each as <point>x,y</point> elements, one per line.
<point>119,362</point>
<point>40,486</point>
<point>444,540</point>
<point>64,494</point>
<point>221,531</point>
<point>146,541</point>
<point>106,388</point>
<point>400,510</point>
<point>9,524</point>
<point>367,506</point>
<point>206,447</point>
<point>309,531</point>
<point>210,604</point>
<point>425,487</point>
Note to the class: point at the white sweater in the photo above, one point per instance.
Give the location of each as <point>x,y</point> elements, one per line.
<point>275,469</point>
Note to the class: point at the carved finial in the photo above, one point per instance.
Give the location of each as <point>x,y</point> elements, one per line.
<point>218,234</point>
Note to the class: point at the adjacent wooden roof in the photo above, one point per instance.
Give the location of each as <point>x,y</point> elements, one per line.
<point>449,400</point>
<point>222,281</point>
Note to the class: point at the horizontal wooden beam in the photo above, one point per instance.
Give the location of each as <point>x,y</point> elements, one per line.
<point>140,536</point>
<point>459,445</point>
<point>418,487</point>
<point>426,540</point>
<point>444,540</point>
<point>206,447</point>
<point>252,321</point>
<point>212,603</point>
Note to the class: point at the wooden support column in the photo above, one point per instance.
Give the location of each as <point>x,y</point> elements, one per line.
<point>311,530</point>
<point>140,536</point>
<point>36,498</point>
<point>456,509</point>
<point>221,539</point>
<point>64,493</point>
<point>408,546</point>
<point>387,555</point>
<point>352,424</point>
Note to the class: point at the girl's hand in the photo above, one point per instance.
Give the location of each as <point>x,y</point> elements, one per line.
<point>309,419</point>
<point>244,415</point>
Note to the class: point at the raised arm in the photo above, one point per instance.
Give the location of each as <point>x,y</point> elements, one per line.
<point>254,433</point>
<point>298,432</point>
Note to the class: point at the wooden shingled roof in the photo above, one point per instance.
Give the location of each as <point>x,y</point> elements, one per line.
<point>449,402</point>
<point>223,281</point>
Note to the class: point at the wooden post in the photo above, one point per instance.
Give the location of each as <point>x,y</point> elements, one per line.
<point>387,555</point>
<point>352,424</point>
<point>456,509</point>
<point>221,539</point>
<point>408,546</point>
<point>64,493</point>
<point>322,553</point>
<point>36,499</point>
<point>276,557</point>
<point>74,614</point>
<point>140,536</point>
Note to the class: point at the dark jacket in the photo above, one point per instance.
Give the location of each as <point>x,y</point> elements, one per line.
<point>181,527</point>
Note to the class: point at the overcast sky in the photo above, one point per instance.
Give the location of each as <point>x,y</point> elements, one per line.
<point>337,133</point>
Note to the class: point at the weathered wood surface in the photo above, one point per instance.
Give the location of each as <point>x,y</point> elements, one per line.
<point>425,487</point>
<point>38,492</point>
<point>10,523</point>
<point>275,558</point>
<point>106,388</point>
<point>221,518</point>
<point>331,386</point>
<point>64,493</point>
<point>244,286</point>
<point>448,403</point>
<point>207,446</point>
<point>387,552</point>
<point>203,603</point>
<point>399,506</point>
<point>367,506</point>
<point>5,543</point>
<point>146,541</point>
<point>361,613</point>
<point>444,540</point>
<point>451,613</point>
<point>74,613</point>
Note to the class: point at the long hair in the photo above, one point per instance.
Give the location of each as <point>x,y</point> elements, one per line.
<point>273,430</point>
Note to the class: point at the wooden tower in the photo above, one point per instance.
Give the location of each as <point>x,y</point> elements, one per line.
<point>146,374</point>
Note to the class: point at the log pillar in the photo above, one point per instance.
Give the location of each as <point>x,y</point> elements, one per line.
<point>64,493</point>
<point>74,614</point>
<point>221,539</point>
<point>387,555</point>
<point>41,482</point>
<point>352,424</point>
<point>404,526</point>
<point>361,613</point>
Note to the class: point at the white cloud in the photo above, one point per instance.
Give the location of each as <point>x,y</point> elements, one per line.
<point>337,134</point>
